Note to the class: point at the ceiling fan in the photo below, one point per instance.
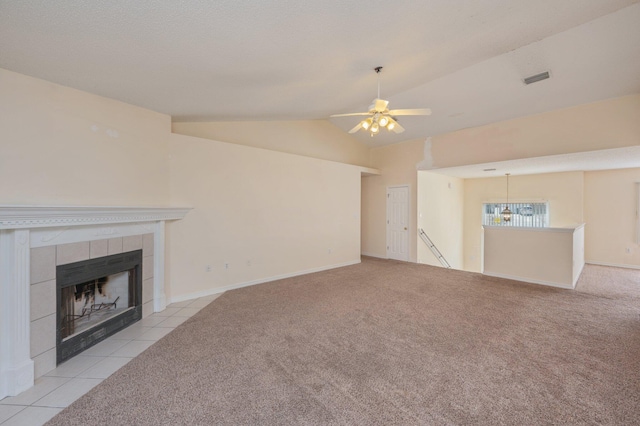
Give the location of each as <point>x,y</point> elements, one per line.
<point>382,117</point>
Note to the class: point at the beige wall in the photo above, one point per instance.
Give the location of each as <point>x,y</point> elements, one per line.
<point>311,138</point>
<point>606,124</point>
<point>264,213</point>
<point>563,192</point>
<point>549,256</point>
<point>397,166</point>
<point>613,123</point>
<point>282,212</point>
<point>65,146</point>
<point>610,201</point>
<point>440,214</point>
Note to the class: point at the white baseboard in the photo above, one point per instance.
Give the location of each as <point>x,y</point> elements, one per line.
<point>577,277</point>
<point>219,290</point>
<point>614,265</point>
<point>530,280</point>
<point>373,255</point>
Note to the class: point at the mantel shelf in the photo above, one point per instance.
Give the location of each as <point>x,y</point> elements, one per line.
<point>29,217</point>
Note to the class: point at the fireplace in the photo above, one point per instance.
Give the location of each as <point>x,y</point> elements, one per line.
<point>34,241</point>
<point>95,299</point>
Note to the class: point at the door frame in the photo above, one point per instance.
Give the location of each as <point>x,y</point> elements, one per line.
<point>387,233</point>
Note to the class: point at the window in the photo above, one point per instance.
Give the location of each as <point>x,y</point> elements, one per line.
<point>523,215</point>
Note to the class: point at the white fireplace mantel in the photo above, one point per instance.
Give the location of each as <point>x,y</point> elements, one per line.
<point>29,217</point>
<point>26,227</point>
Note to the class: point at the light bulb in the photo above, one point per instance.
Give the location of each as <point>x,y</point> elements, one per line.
<point>375,128</point>
<point>391,125</point>
<point>384,121</point>
<point>366,123</point>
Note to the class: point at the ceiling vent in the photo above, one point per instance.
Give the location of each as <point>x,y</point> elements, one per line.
<point>537,77</point>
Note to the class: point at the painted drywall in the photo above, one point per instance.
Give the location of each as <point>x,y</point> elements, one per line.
<point>440,214</point>
<point>311,138</point>
<point>549,256</point>
<point>611,209</point>
<point>64,146</point>
<point>612,123</point>
<point>563,192</point>
<point>262,213</point>
<point>397,166</point>
<point>606,124</point>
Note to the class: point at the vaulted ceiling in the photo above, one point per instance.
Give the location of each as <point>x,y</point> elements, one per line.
<point>292,59</point>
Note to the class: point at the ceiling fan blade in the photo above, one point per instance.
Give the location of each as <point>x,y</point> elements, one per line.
<point>397,128</point>
<point>350,114</point>
<point>355,129</point>
<point>380,105</point>
<point>416,111</point>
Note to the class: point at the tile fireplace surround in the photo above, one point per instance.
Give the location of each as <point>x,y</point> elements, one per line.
<point>33,240</point>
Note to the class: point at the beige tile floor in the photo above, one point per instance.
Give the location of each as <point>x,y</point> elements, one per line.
<point>75,377</point>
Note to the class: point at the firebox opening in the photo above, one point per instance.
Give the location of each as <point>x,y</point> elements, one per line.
<point>97,298</point>
<point>93,302</point>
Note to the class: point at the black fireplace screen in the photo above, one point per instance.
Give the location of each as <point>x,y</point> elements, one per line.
<point>96,298</point>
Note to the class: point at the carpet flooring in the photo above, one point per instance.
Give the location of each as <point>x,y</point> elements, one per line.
<point>387,342</point>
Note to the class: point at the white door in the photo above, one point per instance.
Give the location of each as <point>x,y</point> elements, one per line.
<point>398,222</point>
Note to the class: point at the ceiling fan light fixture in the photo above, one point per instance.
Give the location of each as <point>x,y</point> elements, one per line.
<point>380,116</point>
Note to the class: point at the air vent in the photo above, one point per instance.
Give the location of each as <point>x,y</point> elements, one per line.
<point>488,170</point>
<point>537,77</point>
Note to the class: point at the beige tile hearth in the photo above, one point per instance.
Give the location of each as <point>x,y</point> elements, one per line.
<point>187,312</point>
<point>72,379</point>
<point>133,348</point>
<point>32,416</point>
<point>68,393</point>
<point>105,368</point>
<point>155,334</point>
<point>74,366</point>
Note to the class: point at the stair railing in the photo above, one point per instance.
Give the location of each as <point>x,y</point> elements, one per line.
<point>433,248</point>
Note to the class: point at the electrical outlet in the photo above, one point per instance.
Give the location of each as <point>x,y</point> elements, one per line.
<point>248,263</point>
<point>208,268</point>
<point>226,266</point>
<point>329,251</point>
<point>628,250</point>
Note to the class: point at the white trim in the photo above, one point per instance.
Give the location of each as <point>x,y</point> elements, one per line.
<point>614,265</point>
<point>409,223</point>
<point>529,280</point>
<point>159,298</point>
<point>525,228</point>
<point>23,217</point>
<point>16,365</point>
<point>219,290</point>
<point>41,237</point>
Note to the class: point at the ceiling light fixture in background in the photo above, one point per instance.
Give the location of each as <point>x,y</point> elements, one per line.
<point>506,213</point>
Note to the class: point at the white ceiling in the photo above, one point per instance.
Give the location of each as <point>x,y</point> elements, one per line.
<point>295,59</point>
<point>607,159</point>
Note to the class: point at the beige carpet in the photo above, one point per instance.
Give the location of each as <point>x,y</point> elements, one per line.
<point>388,342</point>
